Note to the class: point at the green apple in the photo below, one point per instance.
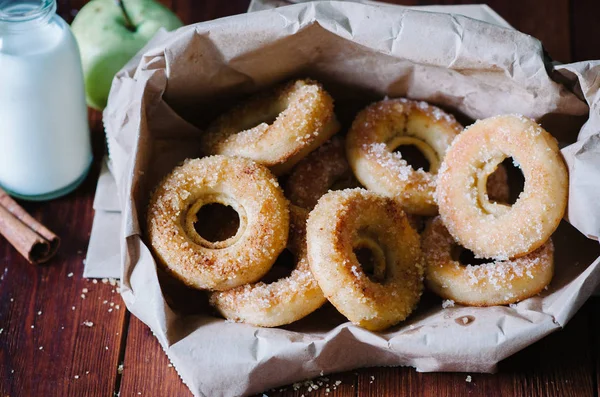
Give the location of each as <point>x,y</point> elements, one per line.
<point>109,34</point>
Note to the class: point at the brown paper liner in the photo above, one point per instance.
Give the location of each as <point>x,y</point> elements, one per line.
<point>32,239</point>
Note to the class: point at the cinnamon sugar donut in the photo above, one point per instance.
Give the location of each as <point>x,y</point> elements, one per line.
<point>282,302</point>
<point>493,283</point>
<point>303,118</point>
<point>347,220</point>
<point>491,229</point>
<point>250,189</point>
<point>380,129</point>
<point>324,169</point>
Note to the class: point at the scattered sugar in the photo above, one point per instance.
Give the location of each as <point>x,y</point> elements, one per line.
<point>447,303</point>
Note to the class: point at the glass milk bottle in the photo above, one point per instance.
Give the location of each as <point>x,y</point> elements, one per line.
<point>45,149</point>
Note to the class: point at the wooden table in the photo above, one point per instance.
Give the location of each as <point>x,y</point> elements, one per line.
<point>63,335</point>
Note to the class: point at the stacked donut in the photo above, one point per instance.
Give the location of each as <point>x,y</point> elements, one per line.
<point>358,247</point>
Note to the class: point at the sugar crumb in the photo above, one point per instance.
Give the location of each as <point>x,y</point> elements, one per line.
<point>447,303</point>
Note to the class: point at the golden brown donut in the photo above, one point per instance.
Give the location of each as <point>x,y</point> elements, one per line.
<point>495,230</point>
<point>282,302</point>
<point>489,284</point>
<point>345,221</point>
<point>276,129</point>
<point>250,189</point>
<point>324,169</point>
<point>380,129</point>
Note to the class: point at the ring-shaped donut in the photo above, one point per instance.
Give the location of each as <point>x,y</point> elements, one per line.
<point>488,284</point>
<point>380,129</point>
<point>250,189</point>
<point>281,302</point>
<point>491,229</point>
<point>276,129</point>
<point>348,219</point>
<point>324,169</point>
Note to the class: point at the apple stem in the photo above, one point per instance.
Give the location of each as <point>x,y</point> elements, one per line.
<point>128,24</point>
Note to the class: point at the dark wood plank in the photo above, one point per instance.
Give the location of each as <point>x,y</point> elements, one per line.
<point>45,346</point>
<point>146,367</point>
<point>192,11</point>
<point>559,365</point>
<point>331,385</point>
<point>585,19</point>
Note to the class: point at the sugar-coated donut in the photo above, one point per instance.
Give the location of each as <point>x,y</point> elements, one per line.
<point>283,301</point>
<point>491,229</point>
<point>346,220</point>
<point>384,126</point>
<point>324,169</point>
<point>276,129</point>
<point>493,283</point>
<point>250,189</point>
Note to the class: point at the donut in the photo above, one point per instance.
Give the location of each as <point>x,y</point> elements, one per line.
<point>247,187</point>
<point>491,229</point>
<point>282,302</point>
<point>384,126</point>
<point>488,284</point>
<point>324,169</point>
<point>342,224</point>
<point>276,129</point>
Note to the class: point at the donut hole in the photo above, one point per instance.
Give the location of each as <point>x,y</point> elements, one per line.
<point>516,180</point>
<point>372,262</point>
<point>414,157</point>
<point>465,256</point>
<point>345,181</point>
<point>282,268</point>
<point>216,222</point>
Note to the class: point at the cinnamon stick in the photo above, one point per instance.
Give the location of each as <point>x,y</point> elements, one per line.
<point>32,239</point>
